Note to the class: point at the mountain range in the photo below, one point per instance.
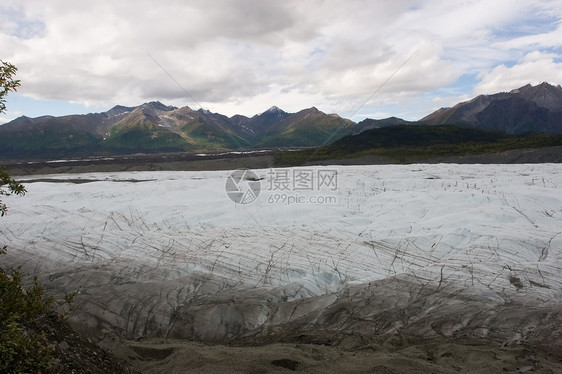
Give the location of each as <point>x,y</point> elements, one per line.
<point>155,127</point>
<point>526,109</point>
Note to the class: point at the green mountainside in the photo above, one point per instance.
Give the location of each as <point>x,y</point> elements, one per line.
<point>504,118</point>
<point>155,127</point>
<point>411,143</point>
<point>309,127</point>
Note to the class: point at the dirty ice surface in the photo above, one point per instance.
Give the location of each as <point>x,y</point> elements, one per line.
<point>454,250</point>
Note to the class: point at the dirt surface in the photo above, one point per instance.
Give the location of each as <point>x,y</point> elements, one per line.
<point>230,161</point>
<point>158,162</point>
<point>349,354</point>
<point>517,156</point>
<point>313,352</point>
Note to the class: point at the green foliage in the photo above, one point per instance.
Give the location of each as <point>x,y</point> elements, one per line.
<point>47,141</point>
<point>12,187</point>
<point>407,144</point>
<point>24,312</point>
<point>7,82</point>
<point>147,137</point>
<point>416,136</point>
<point>209,138</point>
<point>306,133</point>
<point>23,349</point>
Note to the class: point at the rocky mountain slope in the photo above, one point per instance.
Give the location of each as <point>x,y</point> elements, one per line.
<point>526,109</point>
<point>155,127</point>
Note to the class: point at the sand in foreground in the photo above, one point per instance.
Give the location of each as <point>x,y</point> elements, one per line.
<point>396,354</point>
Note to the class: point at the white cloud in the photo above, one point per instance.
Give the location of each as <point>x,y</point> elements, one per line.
<point>236,55</point>
<point>546,40</point>
<point>534,68</point>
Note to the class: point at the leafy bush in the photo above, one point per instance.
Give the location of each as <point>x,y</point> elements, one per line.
<point>13,187</point>
<point>23,349</point>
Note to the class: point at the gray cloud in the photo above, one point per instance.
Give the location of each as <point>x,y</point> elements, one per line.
<point>233,56</point>
<point>16,23</point>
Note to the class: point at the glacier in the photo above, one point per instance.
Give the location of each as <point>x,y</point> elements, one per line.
<point>467,251</point>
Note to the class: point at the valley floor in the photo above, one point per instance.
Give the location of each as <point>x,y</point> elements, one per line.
<point>384,263</point>
<point>256,159</point>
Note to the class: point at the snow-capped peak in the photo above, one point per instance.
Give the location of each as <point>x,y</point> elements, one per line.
<point>274,109</point>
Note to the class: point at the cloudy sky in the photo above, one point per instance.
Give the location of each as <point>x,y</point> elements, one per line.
<point>374,58</point>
